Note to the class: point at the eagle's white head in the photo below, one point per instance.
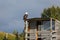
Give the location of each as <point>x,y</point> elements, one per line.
<point>26,13</point>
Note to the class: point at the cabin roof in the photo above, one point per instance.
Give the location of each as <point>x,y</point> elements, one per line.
<point>38,19</point>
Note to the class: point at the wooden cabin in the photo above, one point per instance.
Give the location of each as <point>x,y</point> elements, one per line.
<point>41,29</point>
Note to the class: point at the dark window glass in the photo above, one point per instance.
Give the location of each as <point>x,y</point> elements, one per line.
<point>28,34</point>
<point>39,22</point>
<point>33,25</point>
<point>46,25</point>
<point>53,25</point>
<point>28,39</point>
<point>43,25</point>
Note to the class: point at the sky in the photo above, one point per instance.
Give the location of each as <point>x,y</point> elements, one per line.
<point>12,11</point>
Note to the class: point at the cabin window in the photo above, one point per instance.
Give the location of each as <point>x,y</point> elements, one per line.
<point>43,25</point>
<point>39,28</point>
<point>39,24</point>
<point>53,25</point>
<point>33,25</point>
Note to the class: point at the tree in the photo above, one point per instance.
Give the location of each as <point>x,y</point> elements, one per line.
<point>53,12</point>
<point>15,32</point>
<point>17,36</point>
<point>22,36</point>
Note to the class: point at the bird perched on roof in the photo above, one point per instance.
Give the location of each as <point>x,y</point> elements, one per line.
<point>25,16</point>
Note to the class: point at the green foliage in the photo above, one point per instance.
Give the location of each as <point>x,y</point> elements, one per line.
<point>15,31</point>
<point>22,36</point>
<point>9,36</point>
<point>2,35</point>
<point>53,12</point>
<point>17,36</point>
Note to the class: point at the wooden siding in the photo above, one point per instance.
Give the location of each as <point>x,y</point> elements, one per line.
<point>57,27</point>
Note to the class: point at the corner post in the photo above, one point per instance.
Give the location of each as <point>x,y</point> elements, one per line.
<point>51,27</point>
<point>26,24</point>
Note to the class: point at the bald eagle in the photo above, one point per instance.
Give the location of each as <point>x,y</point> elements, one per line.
<point>25,16</point>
